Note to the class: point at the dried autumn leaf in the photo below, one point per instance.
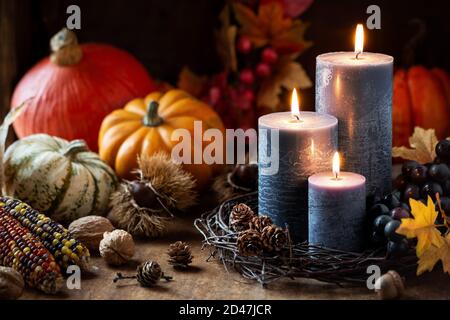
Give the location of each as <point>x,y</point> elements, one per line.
<point>190,82</point>
<point>271,27</point>
<point>422,226</point>
<point>226,38</point>
<point>422,143</point>
<point>289,75</point>
<point>431,256</point>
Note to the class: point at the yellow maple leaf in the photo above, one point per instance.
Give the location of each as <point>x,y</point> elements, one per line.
<point>271,26</point>
<point>431,256</point>
<point>422,142</point>
<point>422,226</point>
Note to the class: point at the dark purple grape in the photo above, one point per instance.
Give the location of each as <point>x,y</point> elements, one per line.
<point>245,175</point>
<point>408,166</point>
<point>397,248</point>
<point>446,187</point>
<point>405,206</point>
<point>445,205</point>
<point>443,149</point>
<point>391,201</point>
<point>378,210</point>
<point>389,231</point>
<point>412,191</point>
<point>400,182</point>
<point>430,189</point>
<point>419,174</point>
<point>372,200</point>
<point>380,223</point>
<point>439,172</point>
<point>399,213</point>
<point>378,238</point>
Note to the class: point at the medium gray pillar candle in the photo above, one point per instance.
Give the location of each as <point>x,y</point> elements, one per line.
<point>336,211</point>
<point>359,93</point>
<point>289,152</point>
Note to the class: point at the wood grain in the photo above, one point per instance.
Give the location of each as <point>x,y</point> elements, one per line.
<point>209,280</point>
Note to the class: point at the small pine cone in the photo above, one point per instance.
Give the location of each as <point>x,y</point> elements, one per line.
<point>240,217</point>
<point>249,243</point>
<point>180,254</point>
<point>260,222</point>
<point>149,273</point>
<point>273,238</point>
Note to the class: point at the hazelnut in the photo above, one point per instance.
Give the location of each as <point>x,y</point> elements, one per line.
<point>89,230</point>
<point>11,284</point>
<point>117,247</point>
<point>390,286</point>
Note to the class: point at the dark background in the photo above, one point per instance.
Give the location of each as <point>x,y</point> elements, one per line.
<point>167,34</point>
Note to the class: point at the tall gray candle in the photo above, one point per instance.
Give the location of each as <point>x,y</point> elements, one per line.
<point>357,89</point>
<point>290,150</point>
<point>337,206</point>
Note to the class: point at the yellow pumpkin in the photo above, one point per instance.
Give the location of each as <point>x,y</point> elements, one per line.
<point>145,126</point>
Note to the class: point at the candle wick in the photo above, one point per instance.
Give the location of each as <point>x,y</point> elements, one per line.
<point>297,117</point>
<point>357,54</point>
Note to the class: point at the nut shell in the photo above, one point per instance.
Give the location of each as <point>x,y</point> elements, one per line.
<point>390,286</point>
<point>11,284</point>
<point>89,230</point>
<point>117,247</point>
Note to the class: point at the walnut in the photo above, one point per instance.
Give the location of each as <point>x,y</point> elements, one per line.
<point>11,284</point>
<point>89,230</point>
<point>117,247</point>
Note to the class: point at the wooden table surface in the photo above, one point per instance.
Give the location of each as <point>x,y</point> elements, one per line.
<point>209,280</point>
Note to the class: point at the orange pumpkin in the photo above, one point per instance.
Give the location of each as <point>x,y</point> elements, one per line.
<point>145,126</point>
<point>421,98</point>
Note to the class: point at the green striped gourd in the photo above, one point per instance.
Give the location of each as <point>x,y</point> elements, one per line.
<point>63,179</point>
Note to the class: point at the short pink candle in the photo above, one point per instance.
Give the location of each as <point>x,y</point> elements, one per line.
<point>337,207</point>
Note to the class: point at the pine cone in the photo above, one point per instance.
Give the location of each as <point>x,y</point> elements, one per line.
<point>149,273</point>
<point>180,254</point>
<point>260,222</point>
<point>249,243</point>
<point>273,238</point>
<point>240,217</point>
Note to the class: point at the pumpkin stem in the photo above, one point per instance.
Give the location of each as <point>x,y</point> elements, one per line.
<point>75,147</point>
<point>152,119</point>
<point>65,48</point>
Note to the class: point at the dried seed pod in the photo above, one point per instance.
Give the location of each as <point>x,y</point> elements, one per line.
<point>180,254</point>
<point>260,222</point>
<point>117,247</point>
<point>389,286</point>
<point>11,284</point>
<point>148,274</point>
<point>90,229</point>
<point>274,238</point>
<point>249,243</point>
<point>240,217</point>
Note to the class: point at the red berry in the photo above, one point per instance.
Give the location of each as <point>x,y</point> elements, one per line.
<point>249,95</point>
<point>246,76</point>
<point>244,45</point>
<point>214,95</point>
<point>263,70</point>
<point>269,56</point>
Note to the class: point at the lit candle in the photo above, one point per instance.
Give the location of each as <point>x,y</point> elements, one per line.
<point>356,87</point>
<point>292,146</point>
<point>337,205</point>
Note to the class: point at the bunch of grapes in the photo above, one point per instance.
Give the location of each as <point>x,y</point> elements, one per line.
<point>417,182</point>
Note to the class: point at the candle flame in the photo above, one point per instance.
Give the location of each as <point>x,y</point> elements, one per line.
<point>359,40</point>
<point>295,105</point>
<point>336,165</point>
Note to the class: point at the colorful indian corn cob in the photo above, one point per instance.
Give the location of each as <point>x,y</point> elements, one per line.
<point>57,239</point>
<point>24,252</point>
